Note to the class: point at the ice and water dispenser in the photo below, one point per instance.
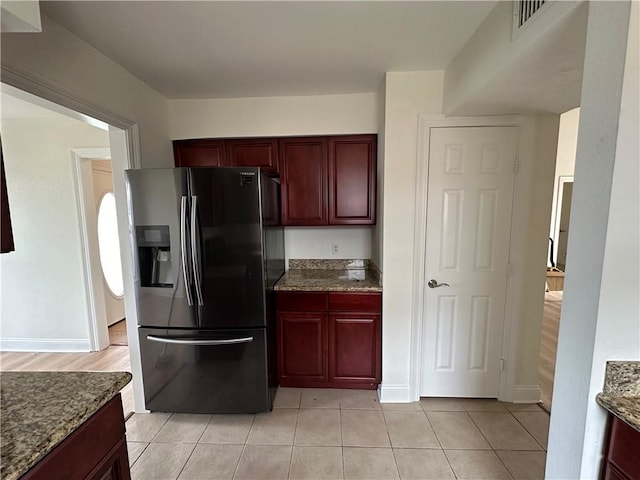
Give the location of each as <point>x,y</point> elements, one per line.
<point>154,255</point>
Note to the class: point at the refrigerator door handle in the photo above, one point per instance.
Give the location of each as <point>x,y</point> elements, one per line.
<point>183,248</point>
<point>182,341</point>
<point>194,249</point>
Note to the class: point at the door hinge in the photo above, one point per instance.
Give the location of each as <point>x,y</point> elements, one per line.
<point>516,165</point>
<point>502,364</point>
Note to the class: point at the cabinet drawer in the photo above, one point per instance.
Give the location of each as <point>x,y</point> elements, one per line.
<point>623,450</point>
<point>301,301</point>
<point>355,302</point>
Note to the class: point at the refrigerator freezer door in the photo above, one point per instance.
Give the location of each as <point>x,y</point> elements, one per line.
<point>159,205</point>
<point>227,247</point>
<point>197,371</point>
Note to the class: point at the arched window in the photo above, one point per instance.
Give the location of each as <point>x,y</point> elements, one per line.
<point>109,245</point>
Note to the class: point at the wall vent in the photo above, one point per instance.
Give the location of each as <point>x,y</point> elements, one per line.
<point>525,9</point>
<point>526,13</point>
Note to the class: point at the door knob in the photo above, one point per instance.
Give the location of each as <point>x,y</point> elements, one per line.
<point>434,284</point>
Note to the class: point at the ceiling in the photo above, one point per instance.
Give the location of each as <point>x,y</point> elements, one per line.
<point>209,49</point>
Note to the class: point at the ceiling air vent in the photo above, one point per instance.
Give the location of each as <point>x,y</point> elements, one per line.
<point>526,9</point>
<point>523,13</point>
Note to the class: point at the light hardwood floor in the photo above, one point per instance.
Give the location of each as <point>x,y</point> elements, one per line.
<point>549,345</point>
<point>118,333</point>
<point>113,358</point>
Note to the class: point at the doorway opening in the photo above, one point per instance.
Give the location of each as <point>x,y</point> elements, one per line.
<point>54,313</point>
<point>557,259</point>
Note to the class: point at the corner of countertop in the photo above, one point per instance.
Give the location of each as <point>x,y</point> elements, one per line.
<point>622,378</point>
<point>621,391</point>
<point>376,270</point>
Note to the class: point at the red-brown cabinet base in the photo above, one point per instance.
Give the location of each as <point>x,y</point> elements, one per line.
<point>622,460</point>
<point>96,450</point>
<point>329,339</point>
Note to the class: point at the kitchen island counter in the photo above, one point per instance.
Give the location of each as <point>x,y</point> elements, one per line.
<point>40,409</point>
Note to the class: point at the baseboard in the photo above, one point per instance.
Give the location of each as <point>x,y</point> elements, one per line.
<point>525,394</point>
<point>44,345</point>
<point>394,393</point>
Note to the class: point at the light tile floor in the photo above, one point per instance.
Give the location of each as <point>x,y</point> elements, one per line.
<point>344,434</point>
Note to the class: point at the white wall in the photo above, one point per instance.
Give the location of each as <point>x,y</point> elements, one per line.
<point>565,161</point>
<point>274,116</point>
<point>600,310</point>
<point>287,116</point>
<point>407,95</point>
<point>21,16</point>
<point>317,242</point>
<point>618,329</point>
<point>377,245</point>
<point>538,70</point>
<point>43,305</point>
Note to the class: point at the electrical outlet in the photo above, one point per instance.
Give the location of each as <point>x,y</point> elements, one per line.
<point>334,249</point>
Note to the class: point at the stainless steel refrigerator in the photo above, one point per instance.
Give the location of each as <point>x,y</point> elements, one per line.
<point>209,247</point>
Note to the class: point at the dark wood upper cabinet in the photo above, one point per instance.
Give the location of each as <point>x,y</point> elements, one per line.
<point>352,180</point>
<point>324,180</point>
<point>303,170</point>
<point>199,153</point>
<point>253,152</point>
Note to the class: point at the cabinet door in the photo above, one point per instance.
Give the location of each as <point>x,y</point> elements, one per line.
<point>352,180</point>
<point>199,153</point>
<point>302,348</point>
<point>354,347</point>
<point>253,152</point>
<point>303,168</point>
<point>623,459</point>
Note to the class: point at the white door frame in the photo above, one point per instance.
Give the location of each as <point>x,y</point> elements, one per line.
<point>562,179</point>
<point>124,141</point>
<point>509,348</point>
<point>85,200</point>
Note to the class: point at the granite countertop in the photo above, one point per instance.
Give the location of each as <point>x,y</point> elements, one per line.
<point>621,392</point>
<point>330,276</point>
<point>39,409</point>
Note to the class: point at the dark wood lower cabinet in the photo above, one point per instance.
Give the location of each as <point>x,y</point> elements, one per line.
<point>96,450</point>
<point>302,348</point>
<point>329,339</point>
<point>622,460</point>
<point>354,348</point>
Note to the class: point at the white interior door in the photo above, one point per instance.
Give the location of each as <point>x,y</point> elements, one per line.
<point>102,184</point>
<point>470,194</point>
